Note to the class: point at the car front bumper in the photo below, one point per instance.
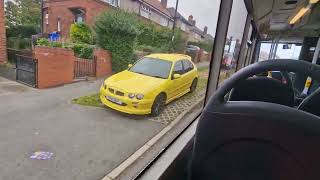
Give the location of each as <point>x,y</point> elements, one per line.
<point>129,106</point>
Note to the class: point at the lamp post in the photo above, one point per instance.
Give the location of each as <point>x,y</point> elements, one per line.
<point>174,22</point>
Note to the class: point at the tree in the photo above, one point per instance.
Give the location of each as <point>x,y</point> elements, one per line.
<point>23,12</point>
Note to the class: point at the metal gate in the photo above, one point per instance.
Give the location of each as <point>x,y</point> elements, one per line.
<point>85,68</point>
<point>26,72</point>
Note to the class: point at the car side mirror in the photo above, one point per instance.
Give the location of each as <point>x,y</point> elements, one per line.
<point>130,65</point>
<point>176,76</point>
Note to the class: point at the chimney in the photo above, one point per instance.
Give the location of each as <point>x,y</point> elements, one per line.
<point>190,19</point>
<point>205,30</point>
<point>164,3</point>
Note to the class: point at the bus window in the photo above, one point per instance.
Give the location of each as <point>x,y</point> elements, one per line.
<point>233,40</point>
<point>284,51</point>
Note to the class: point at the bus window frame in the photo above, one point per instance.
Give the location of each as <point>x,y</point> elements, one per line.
<point>159,165</point>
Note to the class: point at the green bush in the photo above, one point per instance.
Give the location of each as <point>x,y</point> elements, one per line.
<point>81,33</point>
<point>160,38</point>
<point>80,50</point>
<point>117,32</point>
<point>22,31</point>
<point>43,42</point>
<point>18,43</point>
<point>77,48</point>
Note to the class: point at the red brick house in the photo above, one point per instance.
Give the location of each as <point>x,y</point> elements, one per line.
<point>59,15</point>
<point>3,48</point>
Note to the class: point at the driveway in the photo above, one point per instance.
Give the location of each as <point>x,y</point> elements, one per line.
<point>86,143</point>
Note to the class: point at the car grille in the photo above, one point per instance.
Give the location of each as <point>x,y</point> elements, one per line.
<point>111,90</point>
<point>118,93</point>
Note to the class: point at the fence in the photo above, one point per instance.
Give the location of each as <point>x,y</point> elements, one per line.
<point>12,54</point>
<point>85,67</point>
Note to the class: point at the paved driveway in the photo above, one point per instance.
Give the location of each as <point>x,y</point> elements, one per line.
<point>87,142</point>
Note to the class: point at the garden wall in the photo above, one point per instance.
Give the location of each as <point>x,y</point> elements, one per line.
<point>55,66</point>
<point>103,63</point>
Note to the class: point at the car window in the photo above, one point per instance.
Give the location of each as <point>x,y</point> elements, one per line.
<point>152,67</point>
<point>188,66</point>
<point>178,68</point>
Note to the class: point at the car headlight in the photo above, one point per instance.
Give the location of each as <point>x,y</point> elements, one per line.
<point>131,95</point>
<point>139,96</point>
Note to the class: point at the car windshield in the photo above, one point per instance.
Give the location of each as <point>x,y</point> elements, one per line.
<point>152,67</point>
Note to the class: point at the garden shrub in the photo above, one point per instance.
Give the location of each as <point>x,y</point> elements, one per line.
<point>117,32</point>
<point>160,38</point>
<point>84,51</point>
<point>81,33</point>
<point>43,42</point>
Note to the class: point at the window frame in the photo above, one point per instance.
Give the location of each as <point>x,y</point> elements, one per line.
<point>145,11</point>
<point>174,72</point>
<point>113,2</point>
<point>161,164</point>
<point>185,70</point>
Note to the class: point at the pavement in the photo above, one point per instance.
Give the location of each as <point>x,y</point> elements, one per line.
<point>86,143</point>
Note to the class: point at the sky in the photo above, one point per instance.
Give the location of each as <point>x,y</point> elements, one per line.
<point>205,12</point>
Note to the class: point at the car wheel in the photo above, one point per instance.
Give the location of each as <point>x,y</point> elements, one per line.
<point>194,85</point>
<point>158,105</point>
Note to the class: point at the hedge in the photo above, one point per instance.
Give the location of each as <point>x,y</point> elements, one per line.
<point>122,32</point>
<point>117,32</point>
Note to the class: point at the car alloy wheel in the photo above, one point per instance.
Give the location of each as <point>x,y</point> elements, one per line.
<point>158,105</point>
<point>194,85</point>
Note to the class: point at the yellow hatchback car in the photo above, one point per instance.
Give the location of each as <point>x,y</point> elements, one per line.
<point>151,83</point>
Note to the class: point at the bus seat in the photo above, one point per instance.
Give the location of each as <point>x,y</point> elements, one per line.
<point>311,103</point>
<point>263,89</point>
<point>256,140</point>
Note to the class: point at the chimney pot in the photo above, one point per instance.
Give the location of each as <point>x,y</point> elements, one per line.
<point>164,3</point>
<point>205,30</point>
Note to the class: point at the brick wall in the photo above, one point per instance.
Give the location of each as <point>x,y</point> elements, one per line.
<point>3,49</point>
<point>104,67</point>
<point>61,9</point>
<point>55,66</point>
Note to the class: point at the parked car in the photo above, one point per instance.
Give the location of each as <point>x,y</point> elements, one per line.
<point>192,49</point>
<point>151,83</point>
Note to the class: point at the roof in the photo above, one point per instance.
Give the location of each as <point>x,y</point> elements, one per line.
<point>179,16</point>
<point>157,5</point>
<point>169,57</point>
<point>198,31</point>
<point>209,37</point>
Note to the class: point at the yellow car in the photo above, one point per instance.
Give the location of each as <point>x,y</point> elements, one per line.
<point>151,83</point>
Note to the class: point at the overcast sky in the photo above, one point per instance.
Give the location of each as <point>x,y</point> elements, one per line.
<point>205,12</point>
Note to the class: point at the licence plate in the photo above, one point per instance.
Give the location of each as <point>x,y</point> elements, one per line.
<point>114,100</point>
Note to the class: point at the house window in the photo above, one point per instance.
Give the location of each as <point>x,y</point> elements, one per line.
<point>183,27</point>
<point>79,15</point>
<point>59,25</point>
<point>163,21</point>
<point>115,3</point>
<point>145,11</point>
<point>79,18</point>
<point>47,18</point>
